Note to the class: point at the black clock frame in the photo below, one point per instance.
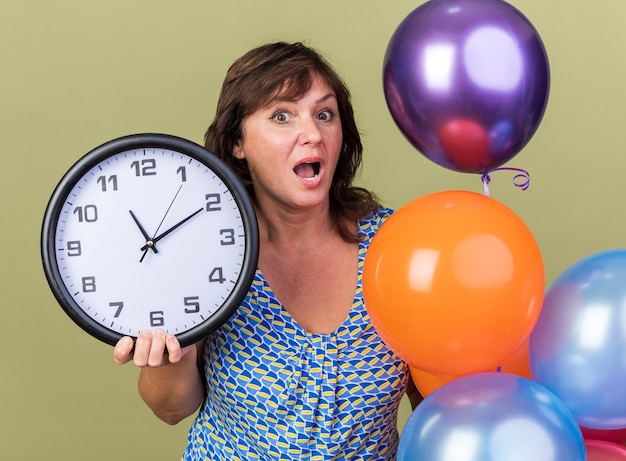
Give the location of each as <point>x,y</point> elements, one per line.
<point>127,143</point>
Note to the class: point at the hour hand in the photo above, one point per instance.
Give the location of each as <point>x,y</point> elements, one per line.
<point>143,232</point>
<point>151,242</point>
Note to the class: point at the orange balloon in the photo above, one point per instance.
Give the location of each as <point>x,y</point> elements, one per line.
<point>427,383</point>
<point>517,364</point>
<point>454,283</point>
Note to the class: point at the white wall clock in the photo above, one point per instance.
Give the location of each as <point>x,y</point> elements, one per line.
<point>149,231</point>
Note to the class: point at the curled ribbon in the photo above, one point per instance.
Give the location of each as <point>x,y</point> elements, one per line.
<point>521,180</point>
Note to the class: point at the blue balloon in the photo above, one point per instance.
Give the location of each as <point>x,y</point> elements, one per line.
<point>578,346</point>
<point>491,417</point>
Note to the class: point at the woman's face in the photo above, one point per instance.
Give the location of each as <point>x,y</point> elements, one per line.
<point>292,148</point>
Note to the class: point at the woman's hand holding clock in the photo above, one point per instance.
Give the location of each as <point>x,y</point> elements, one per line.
<point>177,372</point>
<point>150,349</point>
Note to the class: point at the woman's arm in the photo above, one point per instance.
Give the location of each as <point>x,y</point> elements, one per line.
<point>414,394</point>
<point>171,382</point>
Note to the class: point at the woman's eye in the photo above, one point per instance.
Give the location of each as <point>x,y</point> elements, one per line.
<point>281,117</point>
<point>326,115</point>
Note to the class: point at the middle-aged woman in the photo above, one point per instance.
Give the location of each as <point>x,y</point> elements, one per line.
<point>298,372</point>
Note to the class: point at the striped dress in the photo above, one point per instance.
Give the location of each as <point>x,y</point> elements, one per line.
<point>276,392</point>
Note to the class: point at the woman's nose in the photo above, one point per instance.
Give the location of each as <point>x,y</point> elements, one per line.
<point>309,131</point>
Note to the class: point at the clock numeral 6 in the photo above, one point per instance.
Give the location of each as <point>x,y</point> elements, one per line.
<point>157,318</point>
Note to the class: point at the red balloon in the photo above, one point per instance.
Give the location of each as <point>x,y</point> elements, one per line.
<point>599,450</point>
<point>606,435</point>
<point>467,144</point>
<point>454,283</point>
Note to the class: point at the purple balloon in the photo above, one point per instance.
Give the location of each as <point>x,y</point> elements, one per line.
<point>467,82</point>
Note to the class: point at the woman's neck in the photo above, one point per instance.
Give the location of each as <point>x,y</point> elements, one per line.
<point>289,228</point>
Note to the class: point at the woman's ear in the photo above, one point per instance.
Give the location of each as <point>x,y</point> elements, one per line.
<point>238,151</point>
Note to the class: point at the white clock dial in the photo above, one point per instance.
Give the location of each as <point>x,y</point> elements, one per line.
<point>149,237</point>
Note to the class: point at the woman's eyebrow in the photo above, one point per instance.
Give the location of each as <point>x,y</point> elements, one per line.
<point>282,99</point>
<point>326,97</point>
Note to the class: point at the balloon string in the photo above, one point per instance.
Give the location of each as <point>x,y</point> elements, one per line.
<point>521,180</point>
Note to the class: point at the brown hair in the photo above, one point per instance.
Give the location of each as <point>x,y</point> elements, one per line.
<point>287,70</point>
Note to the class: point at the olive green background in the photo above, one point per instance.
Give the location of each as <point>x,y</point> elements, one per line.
<point>77,73</point>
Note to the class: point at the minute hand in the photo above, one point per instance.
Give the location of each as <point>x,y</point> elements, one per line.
<point>153,241</point>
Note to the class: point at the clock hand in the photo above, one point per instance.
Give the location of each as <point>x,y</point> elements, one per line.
<point>150,241</point>
<point>143,231</point>
<point>167,211</point>
<point>153,241</point>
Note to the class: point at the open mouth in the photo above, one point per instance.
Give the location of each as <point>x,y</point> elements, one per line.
<point>307,170</point>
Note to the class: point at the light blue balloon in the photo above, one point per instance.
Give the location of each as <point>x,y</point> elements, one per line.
<point>578,346</point>
<point>491,417</point>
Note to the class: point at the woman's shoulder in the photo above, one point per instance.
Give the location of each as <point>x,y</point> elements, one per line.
<point>371,223</point>
<point>379,215</point>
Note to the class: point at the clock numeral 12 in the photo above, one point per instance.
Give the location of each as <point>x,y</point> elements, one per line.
<point>147,167</point>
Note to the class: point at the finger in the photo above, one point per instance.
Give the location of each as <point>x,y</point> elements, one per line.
<point>123,352</point>
<point>173,348</point>
<point>142,348</point>
<point>157,349</point>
